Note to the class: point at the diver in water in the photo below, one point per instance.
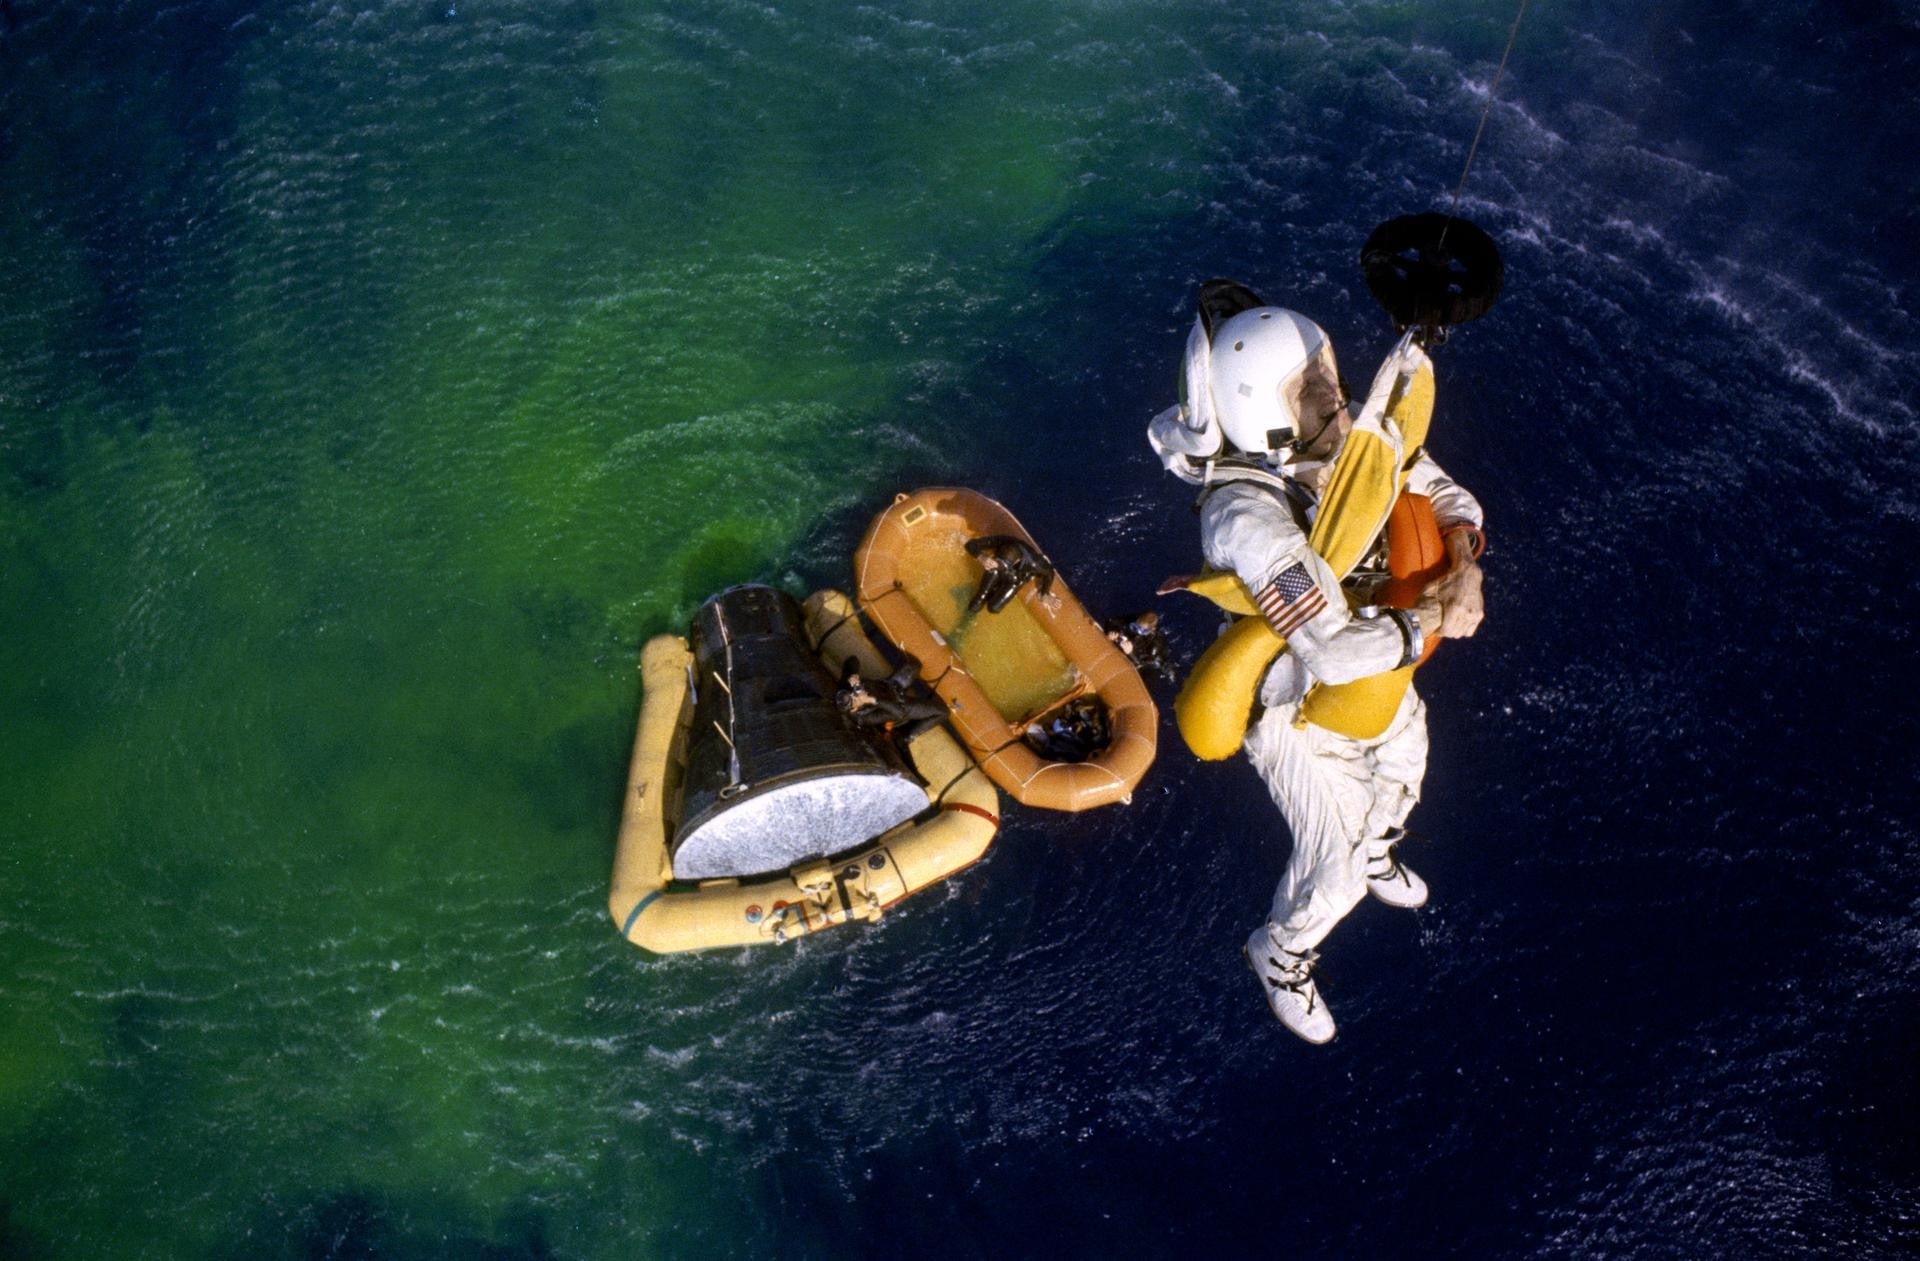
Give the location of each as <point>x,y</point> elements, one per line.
<point>1262,418</point>
<point>885,703</point>
<point>1144,643</point>
<point>1010,563</point>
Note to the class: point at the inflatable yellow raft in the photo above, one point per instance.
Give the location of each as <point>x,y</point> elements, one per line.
<point>1001,672</point>
<point>664,915</point>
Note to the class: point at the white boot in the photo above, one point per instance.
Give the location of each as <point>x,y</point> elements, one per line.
<point>1287,978</point>
<point>1389,880</point>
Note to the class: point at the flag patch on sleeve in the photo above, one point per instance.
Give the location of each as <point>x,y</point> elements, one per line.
<point>1291,598</point>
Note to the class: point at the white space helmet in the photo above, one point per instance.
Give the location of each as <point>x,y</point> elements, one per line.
<point>1273,380</point>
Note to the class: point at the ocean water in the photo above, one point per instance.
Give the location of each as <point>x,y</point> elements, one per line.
<point>375,378</point>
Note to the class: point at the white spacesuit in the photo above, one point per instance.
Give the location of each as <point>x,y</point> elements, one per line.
<point>1263,417</point>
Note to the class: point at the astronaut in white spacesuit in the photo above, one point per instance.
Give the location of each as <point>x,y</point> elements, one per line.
<point>1262,417</point>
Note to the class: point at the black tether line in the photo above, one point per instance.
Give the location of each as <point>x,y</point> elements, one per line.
<point>941,796</point>
<point>827,633</point>
<point>854,617</point>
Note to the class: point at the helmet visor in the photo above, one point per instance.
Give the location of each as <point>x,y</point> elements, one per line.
<point>1313,394</point>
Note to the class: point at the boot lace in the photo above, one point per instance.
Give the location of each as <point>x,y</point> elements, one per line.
<point>1385,865</point>
<point>1392,870</point>
<point>1295,974</point>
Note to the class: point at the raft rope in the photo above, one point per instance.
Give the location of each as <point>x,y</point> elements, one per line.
<point>940,798</point>
<point>1493,90</point>
<point>827,634</point>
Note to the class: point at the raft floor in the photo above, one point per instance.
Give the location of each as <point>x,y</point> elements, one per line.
<point>1009,653</point>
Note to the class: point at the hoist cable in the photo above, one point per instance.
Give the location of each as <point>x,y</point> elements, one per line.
<point>1493,90</point>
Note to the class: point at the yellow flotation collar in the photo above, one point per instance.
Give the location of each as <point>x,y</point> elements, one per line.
<point>1367,478</point>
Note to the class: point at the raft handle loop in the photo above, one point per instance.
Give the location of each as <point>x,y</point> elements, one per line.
<point>781,935</point>
<point>814,879</point>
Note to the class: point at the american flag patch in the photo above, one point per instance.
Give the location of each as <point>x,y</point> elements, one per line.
<point>1290,599</point>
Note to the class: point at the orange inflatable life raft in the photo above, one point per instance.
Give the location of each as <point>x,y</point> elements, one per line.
<point>1002,673</point>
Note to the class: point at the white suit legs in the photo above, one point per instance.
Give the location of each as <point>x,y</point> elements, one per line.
<point>1335,794</point>
<point>1399,762</point>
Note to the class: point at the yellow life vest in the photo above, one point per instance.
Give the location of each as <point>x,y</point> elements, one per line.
<point>1364,490</point>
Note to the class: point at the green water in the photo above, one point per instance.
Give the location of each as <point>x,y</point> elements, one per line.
<point>371,385</point>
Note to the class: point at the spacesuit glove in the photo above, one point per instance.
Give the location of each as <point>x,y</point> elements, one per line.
<point>1462,605</point>
<point>1428,611</point>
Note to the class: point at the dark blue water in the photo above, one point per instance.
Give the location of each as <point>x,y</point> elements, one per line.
<point>375,382</point>
<point>1663,1001</point>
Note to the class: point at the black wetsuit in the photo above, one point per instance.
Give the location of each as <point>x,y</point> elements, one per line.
<point>1010,563</point>
<point>1145,645</point>
<point>1074,732</point>
<point>885,703</point>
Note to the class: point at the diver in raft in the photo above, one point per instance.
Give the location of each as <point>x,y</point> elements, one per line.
<point>1010,564</point>
<point>885,703</point>
<point>1074,732</point>
<point>1263,416</point>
